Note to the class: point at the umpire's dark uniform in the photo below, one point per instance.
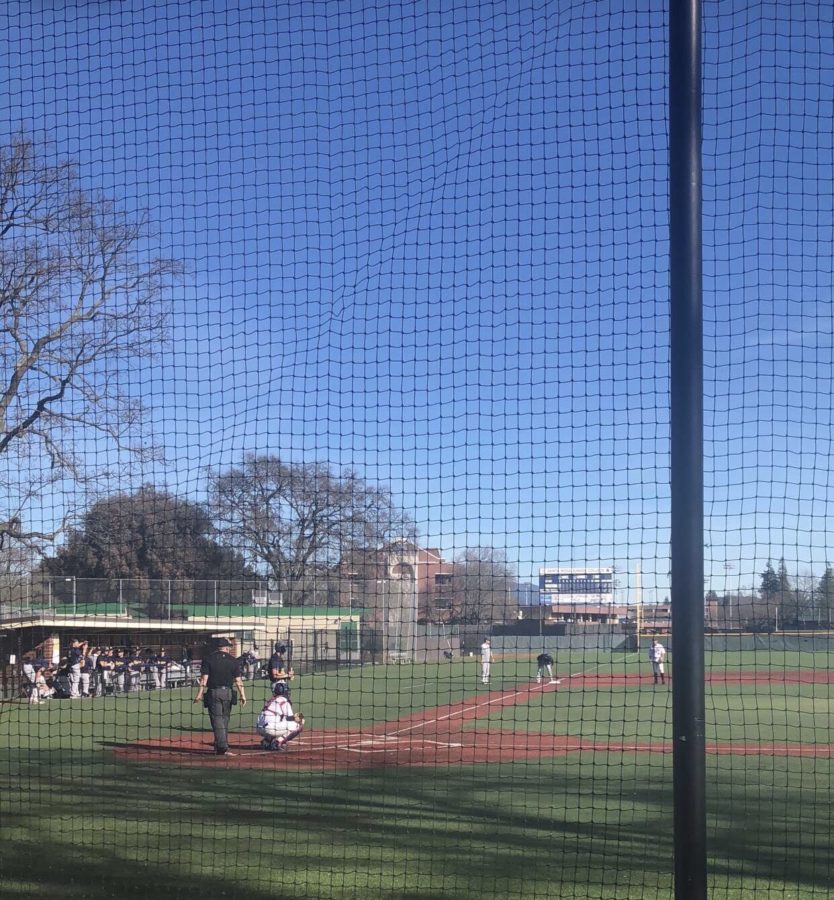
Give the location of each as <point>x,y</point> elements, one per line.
<point>219,673</point>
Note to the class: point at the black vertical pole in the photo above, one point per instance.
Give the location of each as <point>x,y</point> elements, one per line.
<point>687,460</point>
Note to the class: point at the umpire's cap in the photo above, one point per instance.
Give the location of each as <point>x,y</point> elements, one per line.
<point>280,689</point>
<point>280,648</point>
<point>220,643</point>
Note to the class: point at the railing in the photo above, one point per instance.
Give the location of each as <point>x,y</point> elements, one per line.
<point>50,596</point>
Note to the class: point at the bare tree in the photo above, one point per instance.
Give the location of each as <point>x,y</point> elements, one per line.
<point>806,598</point>
<point>482,587</point>
<point>80,302</point>
<point>301,520</point>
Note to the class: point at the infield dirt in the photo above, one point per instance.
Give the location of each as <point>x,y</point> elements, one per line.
<point>443,736</point>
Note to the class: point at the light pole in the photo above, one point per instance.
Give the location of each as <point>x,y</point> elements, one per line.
<point>74,594</point>
<point>415,612</point>
<point>352,578</point>
<point>382,582</point>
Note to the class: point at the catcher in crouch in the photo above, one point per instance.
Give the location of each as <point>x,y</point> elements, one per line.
<point>278,724</point>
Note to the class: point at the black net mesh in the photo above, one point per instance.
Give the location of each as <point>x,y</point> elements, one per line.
<point>334,377</point>
<point>768,82</point>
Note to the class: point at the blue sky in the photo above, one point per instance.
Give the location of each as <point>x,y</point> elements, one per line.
<point>429,241</point>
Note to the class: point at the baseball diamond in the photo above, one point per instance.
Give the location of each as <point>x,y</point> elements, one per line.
<point>443,736</point>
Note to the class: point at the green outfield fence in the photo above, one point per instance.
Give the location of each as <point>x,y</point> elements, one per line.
<point>383,333</point>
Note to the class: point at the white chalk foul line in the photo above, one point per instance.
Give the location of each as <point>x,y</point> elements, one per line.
<point>388,744</point>
<point>459,712</point>
<point>481,704</point>
<point>392,735</point>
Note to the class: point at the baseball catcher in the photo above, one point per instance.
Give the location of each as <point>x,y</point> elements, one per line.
<point>277,723</point>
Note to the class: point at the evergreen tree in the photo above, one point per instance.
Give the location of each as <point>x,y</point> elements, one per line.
<point>787,598</point>
<point>770,585</point>
<point>785,586</point>
<point>149,534</point>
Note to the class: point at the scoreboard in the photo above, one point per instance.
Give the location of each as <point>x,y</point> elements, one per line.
<point>574,585</point>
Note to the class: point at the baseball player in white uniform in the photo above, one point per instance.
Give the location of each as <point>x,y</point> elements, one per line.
<point>486,660</point>
<point>657,655</point>
<point>278,724</point>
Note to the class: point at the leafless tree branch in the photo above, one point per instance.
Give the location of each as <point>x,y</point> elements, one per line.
<point>79,302</point>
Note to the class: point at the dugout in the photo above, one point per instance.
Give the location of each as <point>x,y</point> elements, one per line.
<point>317,636</point>
<point>53,643</point>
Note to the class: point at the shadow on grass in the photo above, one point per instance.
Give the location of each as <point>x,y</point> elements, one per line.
<point>570,827</point>
<point>68,873</point>
<point>771,822</point>
<point>455,833</point>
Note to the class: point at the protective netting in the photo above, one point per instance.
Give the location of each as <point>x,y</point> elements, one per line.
<point>339,333</point>
<point>768,91</point>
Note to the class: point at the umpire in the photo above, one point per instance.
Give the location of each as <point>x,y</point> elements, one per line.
<point>219,672</point>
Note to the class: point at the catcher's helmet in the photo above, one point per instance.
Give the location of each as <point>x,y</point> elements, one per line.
<point>280,689</point>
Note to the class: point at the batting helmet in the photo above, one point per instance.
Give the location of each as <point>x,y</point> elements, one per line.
<point>280,689</point>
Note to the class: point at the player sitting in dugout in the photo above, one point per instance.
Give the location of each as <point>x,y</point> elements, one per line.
<point>278,724</point>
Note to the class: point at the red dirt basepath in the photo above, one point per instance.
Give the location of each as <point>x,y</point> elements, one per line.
<point>441,736</point>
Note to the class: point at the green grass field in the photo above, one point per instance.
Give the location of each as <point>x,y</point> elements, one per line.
<point>78,822</point>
